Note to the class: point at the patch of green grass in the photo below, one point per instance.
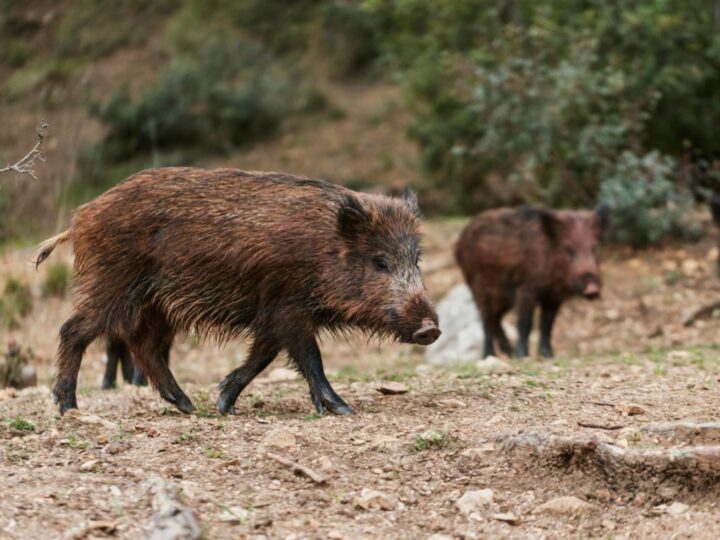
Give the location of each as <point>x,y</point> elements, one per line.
<point>312,417</point>
<point>75,442</point>
<point>57,280</point>
<point>431,440</point>
<point>212,453</point>
<point>15,303</point>
<point>21,424</point>
<point>187,435</point>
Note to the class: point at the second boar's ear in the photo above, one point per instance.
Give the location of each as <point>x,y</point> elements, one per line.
<point>352,218</point>
<point>550,223</point>
<point>411,198</point>
<point>602,217</point>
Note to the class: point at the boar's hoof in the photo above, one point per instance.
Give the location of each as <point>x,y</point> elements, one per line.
<point>107,385</point>
<point>335,405</point>
<point>546,352</point>
<point>180,400</point>
<point>139,378</point>
<point>226,405</point>
<point>64,396</point>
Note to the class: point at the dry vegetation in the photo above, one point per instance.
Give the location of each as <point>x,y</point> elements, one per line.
<point>626,362</point>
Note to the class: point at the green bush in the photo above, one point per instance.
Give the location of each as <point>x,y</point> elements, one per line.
<point>57,280</point>
<point>230,93</point>
<point>15,303</point>
<point>647,204</point>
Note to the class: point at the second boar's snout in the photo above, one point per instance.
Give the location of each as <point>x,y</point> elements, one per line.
<point>592,291</point>
<point>427,334</point>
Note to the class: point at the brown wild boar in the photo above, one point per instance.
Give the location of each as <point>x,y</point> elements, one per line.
<point>230,253</point>
<point>526,257</point>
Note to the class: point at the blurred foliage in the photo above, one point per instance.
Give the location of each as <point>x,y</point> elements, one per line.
<point>15,303</point>
<point>551,95</point>
<point>647,204</point>
<point>57,280</point>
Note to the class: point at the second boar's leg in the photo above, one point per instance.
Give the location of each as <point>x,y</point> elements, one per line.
<point>304,351</point>
<point>549,311</point>
<point>75,335</point>
<point>114,354</point>
<point>263,351</point>
<point>525,313</point>
<point>148,343</point>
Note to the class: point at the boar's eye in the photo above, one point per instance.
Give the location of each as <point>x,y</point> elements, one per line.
<point>380,263</point>
<point>570,252</point>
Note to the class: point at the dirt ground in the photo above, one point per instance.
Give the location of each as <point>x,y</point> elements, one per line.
<point>89,475</point>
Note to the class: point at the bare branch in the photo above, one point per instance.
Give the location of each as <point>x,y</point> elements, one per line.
<point>27,163</point>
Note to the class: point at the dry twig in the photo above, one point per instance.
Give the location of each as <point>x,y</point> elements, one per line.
<point>298,469</point>
<point>27,163</point>
<point>598,426</point>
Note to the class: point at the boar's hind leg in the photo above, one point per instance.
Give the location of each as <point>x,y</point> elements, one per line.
<point>262,352</point>
<point>304,351</point>
<point>148,345</point>
<point>113,357</point>
<point>525,314</point>
<point>75,335</point>
<point>548,313</point>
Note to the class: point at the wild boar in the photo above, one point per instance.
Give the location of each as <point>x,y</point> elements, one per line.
<point>229,253</point>
<point>526,257</point>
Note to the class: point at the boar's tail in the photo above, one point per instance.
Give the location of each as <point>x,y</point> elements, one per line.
<point>47,247</point>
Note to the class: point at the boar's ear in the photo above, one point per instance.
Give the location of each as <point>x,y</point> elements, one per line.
<point>352,218</point>
<point>411,198</point>
<point>550,223</point>
<point>602,217</point>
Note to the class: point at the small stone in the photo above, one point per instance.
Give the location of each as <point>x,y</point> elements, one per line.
<point>612,314</point>
<point>335,535</point>
<point>325,464</point>
<point>493,364</point>
<point>451,403</point>
<point>370,499</point>
<point>282,375</point>
<point>88,465</point>
<point>507,517</point>
<point>279,438</point>
<point>629,409</point>
<point>564,506</point>
<point>392,388</point>
<point>440,536</point>
<point>689,267</point>
<point>712,254</point>
<point>472,501</point>
<point>676,508</point>
<point>233,514</point>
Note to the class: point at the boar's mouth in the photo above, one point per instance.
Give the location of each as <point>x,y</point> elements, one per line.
<point>427,334</point>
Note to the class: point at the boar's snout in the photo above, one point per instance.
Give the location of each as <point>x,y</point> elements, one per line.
<point>427,334</point>
<point>592,290</point>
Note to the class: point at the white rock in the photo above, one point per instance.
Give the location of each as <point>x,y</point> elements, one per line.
<point>677,508</point>
<point>88,465</point>
<point>472,501</point>
<point>564,506</point>
<point>462,338</point>
<point>279,438</point>
<point>234,514</point>
<point>282,374</point>
<point>370,499</point>
<point>493,364</point>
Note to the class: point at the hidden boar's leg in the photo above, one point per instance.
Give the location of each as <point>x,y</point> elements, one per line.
<point>114,353</point>
<point>75,335</point>
<point>503,340</point>
<point>304,351</point>
<point>262,352</point>
<point>127,362</point>
<point>549,310</point>
<point>525,313</point>
<point>149,344</point>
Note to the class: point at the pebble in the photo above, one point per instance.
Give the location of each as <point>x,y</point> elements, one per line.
<point>493,364</point>
<point>279,438</point>
<point>88,465</point>
<point>472,501</point>
<point>564,506</point>
<point>370,499</point>
<point>392,388</point>
<point>629,409</point>
<point>507,517</point>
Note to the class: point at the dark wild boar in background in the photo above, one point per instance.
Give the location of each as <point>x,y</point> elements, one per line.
<point>526,257</point>
<point>229,253</point>
<point>118,354</point>
<point>715,210</point>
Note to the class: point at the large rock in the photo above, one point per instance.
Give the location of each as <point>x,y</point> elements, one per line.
<point>462,338</point>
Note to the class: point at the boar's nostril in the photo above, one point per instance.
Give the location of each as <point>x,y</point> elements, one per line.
<point>426,335</point>
<point>592,291</point>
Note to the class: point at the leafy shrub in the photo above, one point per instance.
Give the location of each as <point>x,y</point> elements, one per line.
<point>350,38</point>
<point>230,93</point>
<point>15,303</point>
<point>647,205</point>
<point>57,280</point>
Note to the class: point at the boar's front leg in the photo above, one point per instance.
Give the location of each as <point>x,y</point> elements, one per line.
<point>549,310</point>
<point>304,351</point>
<point>525,314</point>
<point>263,351</point>
<point>114,353</point>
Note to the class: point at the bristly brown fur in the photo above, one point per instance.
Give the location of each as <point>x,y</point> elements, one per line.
<point>231,253</point>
